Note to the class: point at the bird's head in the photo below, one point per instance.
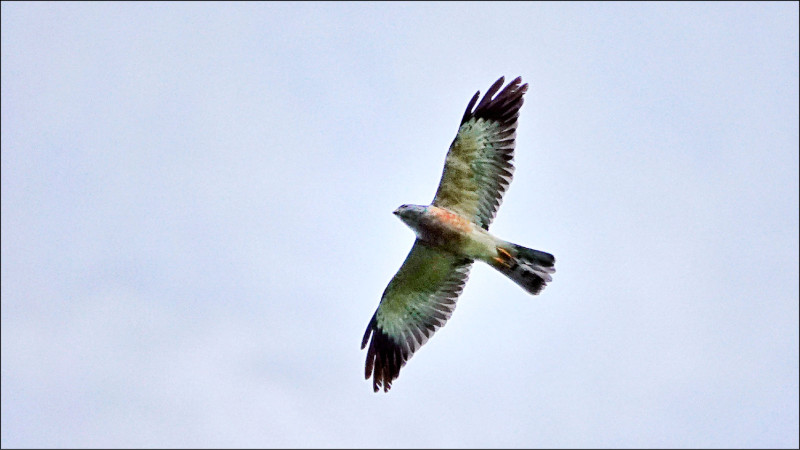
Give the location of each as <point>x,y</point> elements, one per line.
<point>410,214</point>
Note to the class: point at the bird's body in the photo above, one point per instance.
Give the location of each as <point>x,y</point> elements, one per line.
<point>448,231</point>
<point>452,233</point>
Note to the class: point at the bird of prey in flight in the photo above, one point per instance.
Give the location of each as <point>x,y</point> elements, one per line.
<point>452,232</point>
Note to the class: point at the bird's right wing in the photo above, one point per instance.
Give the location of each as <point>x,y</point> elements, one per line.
<point>419,299</point>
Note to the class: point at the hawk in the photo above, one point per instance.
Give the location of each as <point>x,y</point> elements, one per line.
<point>452,232</point>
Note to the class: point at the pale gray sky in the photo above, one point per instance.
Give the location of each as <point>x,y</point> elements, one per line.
<point>197,227</point>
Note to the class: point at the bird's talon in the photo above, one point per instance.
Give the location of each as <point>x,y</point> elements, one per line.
<point>504,258</point>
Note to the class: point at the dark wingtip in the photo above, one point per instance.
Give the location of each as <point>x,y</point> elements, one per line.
<point>384,357</point>
<point>490,93</point>
<point>468,111</point>
<point>368,333</point>
<point>502,107</point>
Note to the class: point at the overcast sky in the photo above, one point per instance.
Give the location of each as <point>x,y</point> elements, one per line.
<point>197,227</point>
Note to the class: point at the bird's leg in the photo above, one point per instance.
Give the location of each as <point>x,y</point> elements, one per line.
<point>506,260</point>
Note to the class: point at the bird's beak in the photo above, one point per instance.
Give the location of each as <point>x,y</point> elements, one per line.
<point>396,212</point>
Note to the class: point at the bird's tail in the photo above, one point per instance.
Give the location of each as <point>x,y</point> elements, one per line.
<point>528,268</point>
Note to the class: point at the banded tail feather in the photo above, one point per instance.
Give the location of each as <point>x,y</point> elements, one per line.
<point>527,267</point>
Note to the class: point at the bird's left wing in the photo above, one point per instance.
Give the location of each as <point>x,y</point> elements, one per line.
<point>419,299</point>
<point>478,166</point>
